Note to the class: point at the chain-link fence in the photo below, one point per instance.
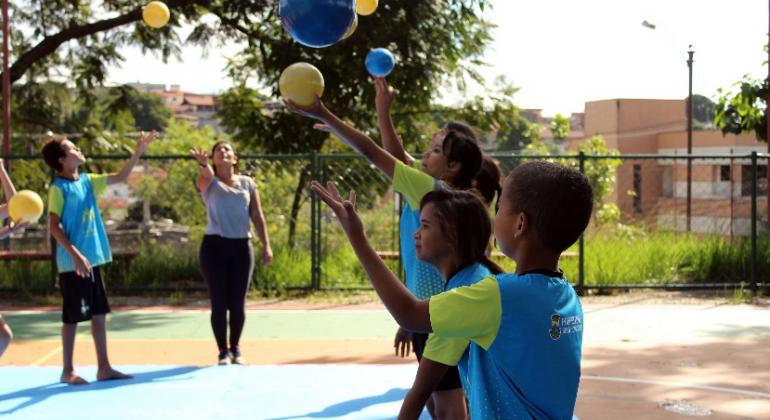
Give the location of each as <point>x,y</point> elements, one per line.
<point>660,222</point>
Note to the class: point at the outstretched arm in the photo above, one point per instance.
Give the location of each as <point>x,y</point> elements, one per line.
<point>141,146</point>
<point>205,173</point>
<point>363,144</point>
<point>12,228</point>
<point>8,189</point>
<point>390,139</point>
<point>408,311</point>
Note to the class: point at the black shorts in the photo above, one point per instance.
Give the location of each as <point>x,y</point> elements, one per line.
<point>84,297</point>
<point>451,379</point>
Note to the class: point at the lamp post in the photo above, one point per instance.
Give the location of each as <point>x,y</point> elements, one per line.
<point>690,53</point>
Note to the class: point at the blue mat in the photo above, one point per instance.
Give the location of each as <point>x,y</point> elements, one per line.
<point>227,392</point>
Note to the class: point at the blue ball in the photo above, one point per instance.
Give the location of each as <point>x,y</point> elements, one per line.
<point>380,62</point>
<point>317,23</point>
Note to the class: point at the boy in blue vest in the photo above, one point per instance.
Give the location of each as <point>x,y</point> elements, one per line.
<point>82,248</point>
<point>525,328</point>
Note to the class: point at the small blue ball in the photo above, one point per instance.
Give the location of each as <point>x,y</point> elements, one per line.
<point>317,23</point>
<point>380,62</point>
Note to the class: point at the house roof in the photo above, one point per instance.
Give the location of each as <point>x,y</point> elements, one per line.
<point>199,100</point>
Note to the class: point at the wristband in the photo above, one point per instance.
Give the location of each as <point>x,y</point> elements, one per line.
<point>203,165</point>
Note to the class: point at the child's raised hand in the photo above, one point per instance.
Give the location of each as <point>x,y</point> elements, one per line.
<point>200,156</point>
<point>145,140</point>
<point>385,94</point>
<point>316,110</point>
<point>344,209</point>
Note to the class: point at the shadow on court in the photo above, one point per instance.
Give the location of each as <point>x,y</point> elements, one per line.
<point>36,395</point>
<point>349,407</point>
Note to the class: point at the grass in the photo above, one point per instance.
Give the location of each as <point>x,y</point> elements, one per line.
<point>610,259</point>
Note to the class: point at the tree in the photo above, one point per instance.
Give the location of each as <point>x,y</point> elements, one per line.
<point>702,109</point>
<point>436,42</point>
<point>600,172</point>
<point>79,39</point>
<point>560,127</point>
<point>493,115</point>
<point>148,110</point>
<point>744,110</point>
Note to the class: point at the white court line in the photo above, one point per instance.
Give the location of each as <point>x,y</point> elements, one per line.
<point>47,356</point>
<point>679,385</point>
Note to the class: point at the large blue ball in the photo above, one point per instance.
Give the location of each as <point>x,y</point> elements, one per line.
<point>380,62</point>
<point>317,23</point>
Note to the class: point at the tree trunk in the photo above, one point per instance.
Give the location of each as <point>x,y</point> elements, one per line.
<point>297,203</point>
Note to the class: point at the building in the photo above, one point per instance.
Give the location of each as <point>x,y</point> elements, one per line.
<point>199,110</point>
<point>654,191</point>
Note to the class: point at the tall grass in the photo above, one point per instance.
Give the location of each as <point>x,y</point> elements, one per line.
<point>610,259</point>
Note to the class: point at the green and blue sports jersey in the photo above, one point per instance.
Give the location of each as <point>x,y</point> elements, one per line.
<point>454,351</point>
<point>74,201</point>
<point>526,334</point>
<point>422,279</point>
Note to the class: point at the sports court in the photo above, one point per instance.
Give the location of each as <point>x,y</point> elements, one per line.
<point>643,357</point>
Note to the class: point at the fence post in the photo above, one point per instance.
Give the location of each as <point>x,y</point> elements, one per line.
<point>581,241</point>
<point>754,223</point>
<point>315,226</point>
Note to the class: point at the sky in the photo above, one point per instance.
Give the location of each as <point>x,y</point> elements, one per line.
<point>563,53</point>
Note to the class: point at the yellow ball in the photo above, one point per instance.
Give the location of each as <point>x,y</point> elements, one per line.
<point>366,7</point>
<point>156,14</point>
<point>351,28</point>
<point>25,206</point>
<point>301,82</point>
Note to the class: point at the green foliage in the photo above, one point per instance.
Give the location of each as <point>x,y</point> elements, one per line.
<point>157,266</point>
<point>702,109</point>
<point>608,213</point>
<point>492,115</point>
<point>436,43</point>
<point>170,184</point>
<point>600,172</point>
<point>616,256</point>
<point>148,110</point>
<point>744,110</point>
<point>560,127</point>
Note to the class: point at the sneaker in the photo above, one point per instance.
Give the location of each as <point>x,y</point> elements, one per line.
<point>236,358</point>
<point>223,358</point>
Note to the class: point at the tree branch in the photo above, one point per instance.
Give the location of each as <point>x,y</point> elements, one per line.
<point>50,43</point>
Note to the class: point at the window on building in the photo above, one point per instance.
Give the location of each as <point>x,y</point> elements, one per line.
<point>724,173</point>
<point>746,180</point>
<point>667,177</point>
<point>638,188</point>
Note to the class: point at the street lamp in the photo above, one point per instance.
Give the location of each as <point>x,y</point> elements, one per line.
<point>690,53</point>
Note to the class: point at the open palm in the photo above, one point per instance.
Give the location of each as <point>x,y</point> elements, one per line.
<point>145,140</point>
<point>344,209</point>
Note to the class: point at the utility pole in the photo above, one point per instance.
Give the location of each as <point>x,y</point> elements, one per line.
<point>690,53</point>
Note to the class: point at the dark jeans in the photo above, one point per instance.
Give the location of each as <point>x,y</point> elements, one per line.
<point>227,265</point>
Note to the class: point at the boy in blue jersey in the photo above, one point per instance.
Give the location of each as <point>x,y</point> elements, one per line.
<point>82,247</point>
<point>525,328</point>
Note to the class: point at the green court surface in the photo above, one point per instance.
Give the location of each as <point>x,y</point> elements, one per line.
<point>261,324</point>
